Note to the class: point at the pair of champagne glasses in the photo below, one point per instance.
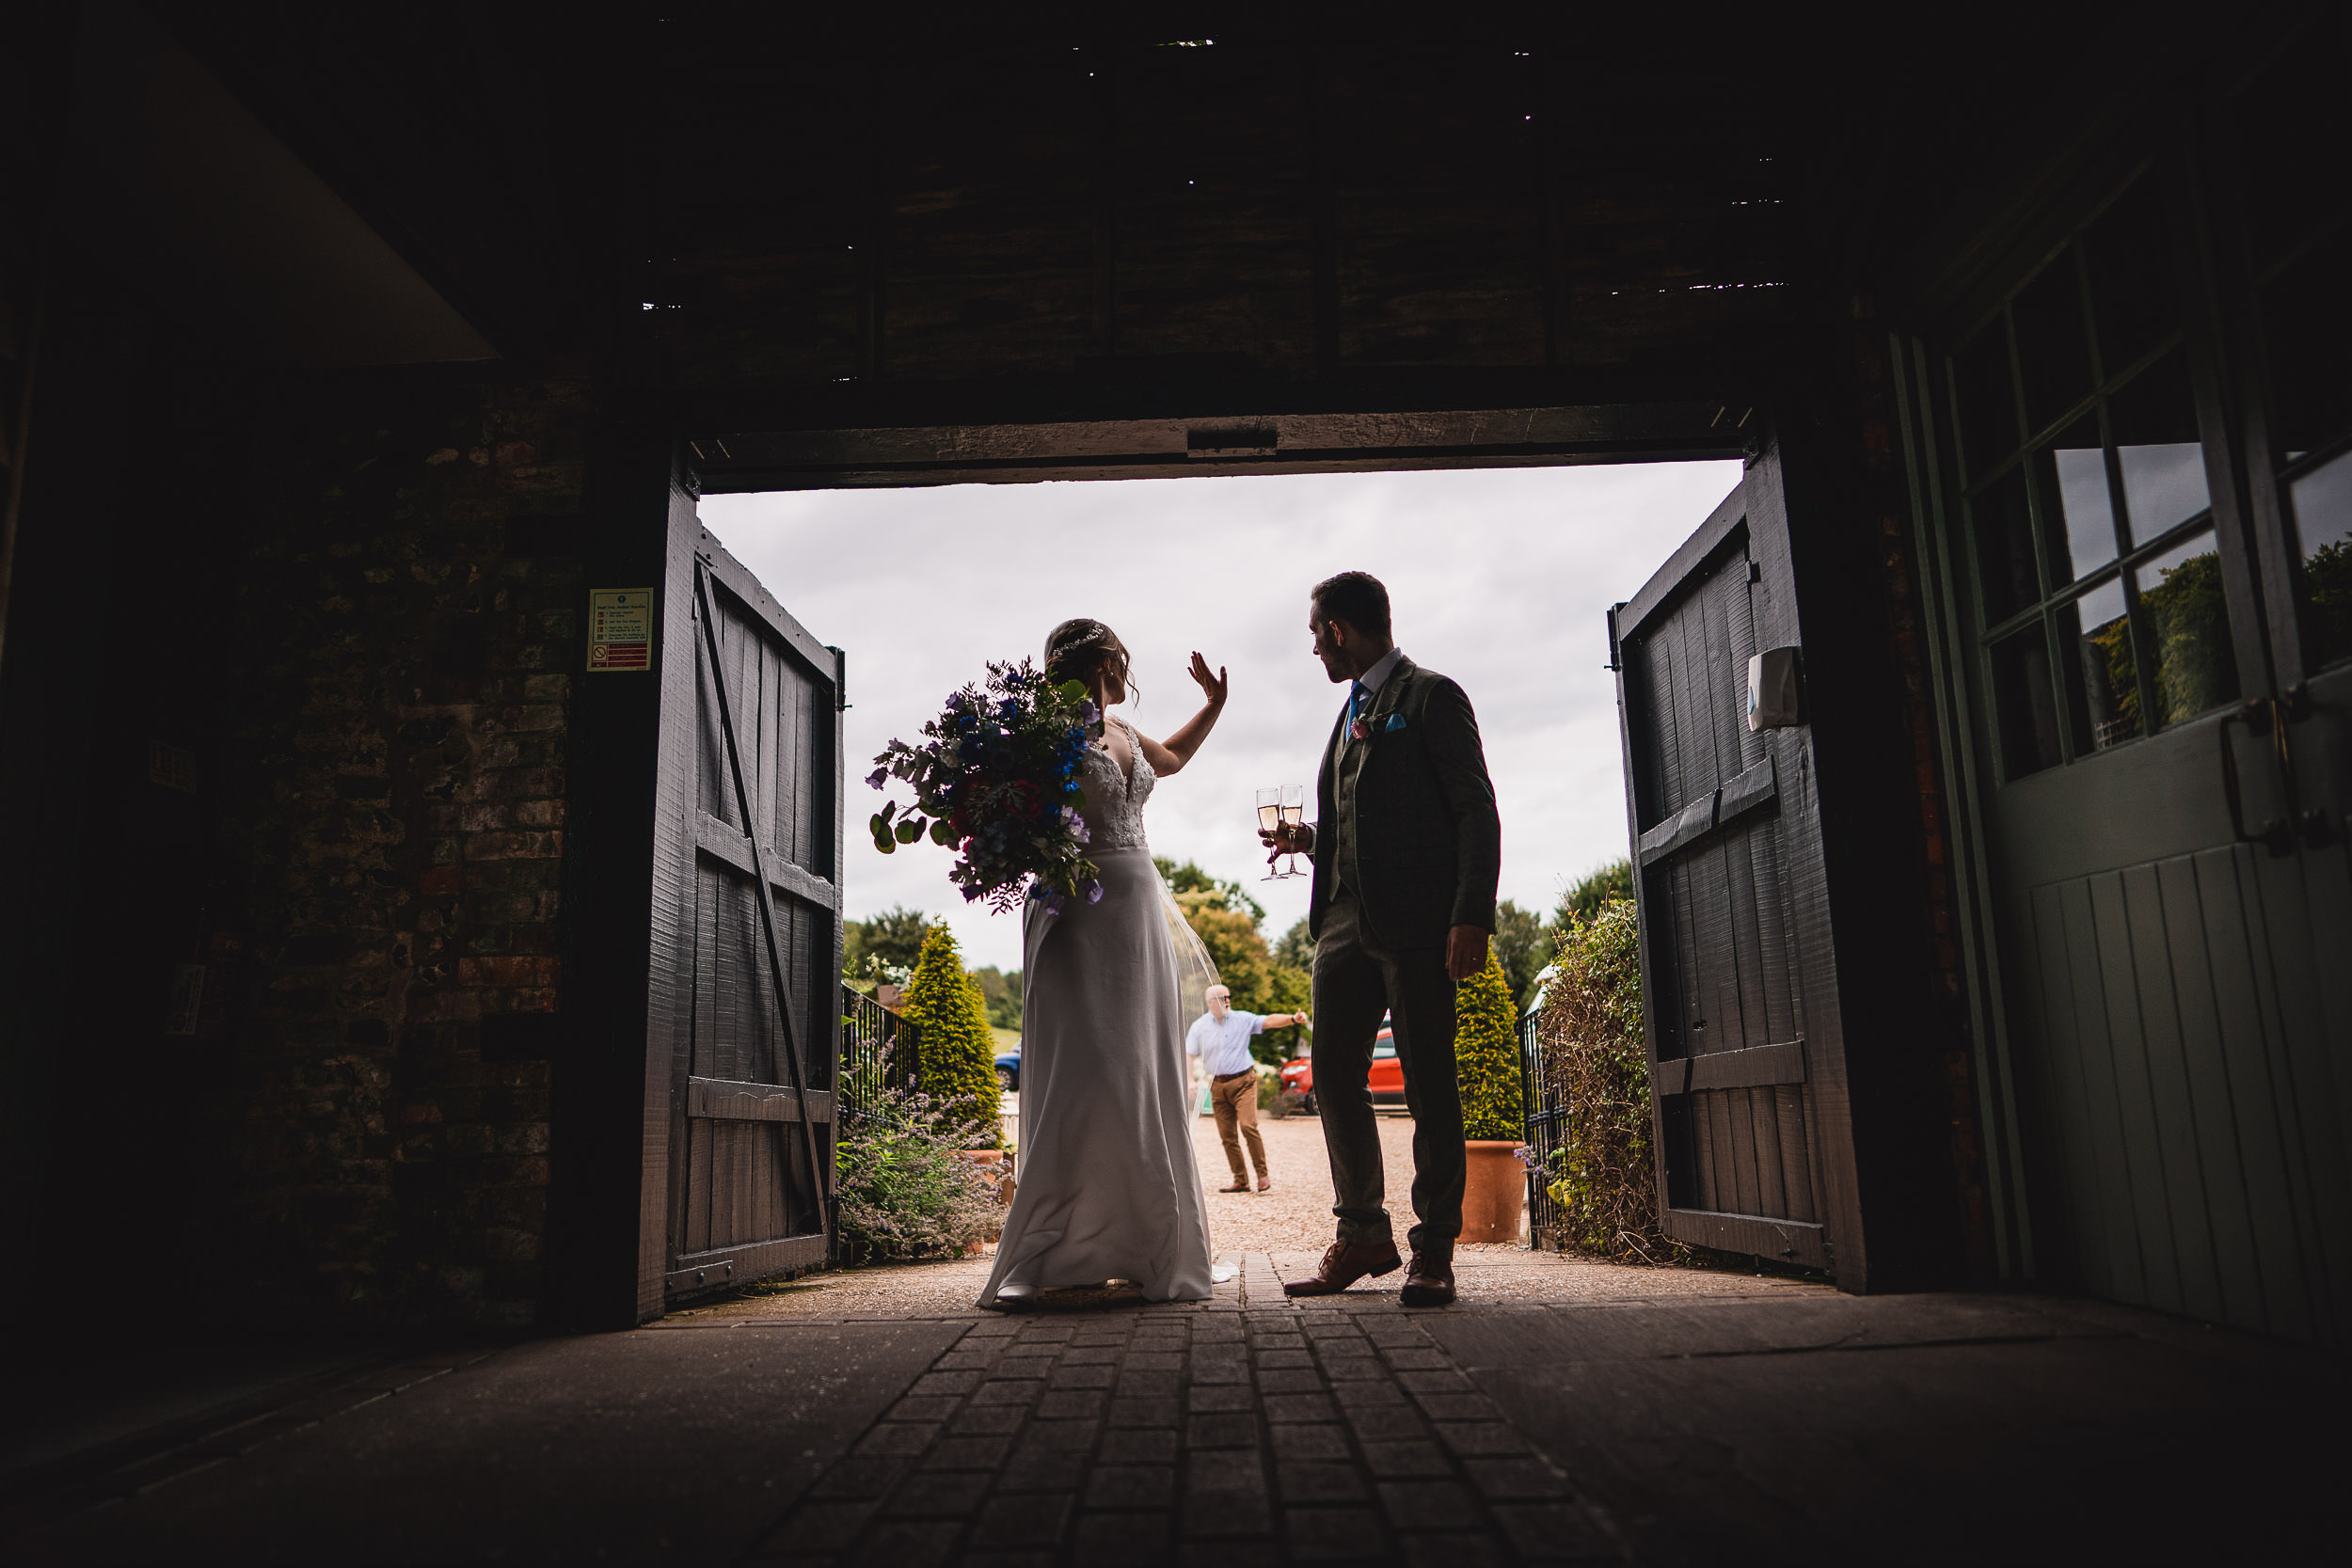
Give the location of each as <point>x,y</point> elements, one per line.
<point>1280,805</point>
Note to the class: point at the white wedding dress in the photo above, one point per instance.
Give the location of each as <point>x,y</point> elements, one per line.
<point>1108,1187</point>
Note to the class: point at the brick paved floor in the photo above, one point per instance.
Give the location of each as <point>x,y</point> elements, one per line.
<point>1782,1423</point>
<point>1247,1430</point>
<point>1564,1411</point>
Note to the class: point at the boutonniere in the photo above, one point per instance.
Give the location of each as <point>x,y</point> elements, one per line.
<point>1359,730</point>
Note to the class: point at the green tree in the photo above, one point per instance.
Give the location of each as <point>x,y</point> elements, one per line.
<point>887,947</point>
<point>1486,1053</point>
<point>1004,996</point>
<point>959,1067</point>
<point>1297,948</point>
<point>2328,579</point>
<point>1189,878</point>
<point>1523,944</point>
<point>1586,895</point>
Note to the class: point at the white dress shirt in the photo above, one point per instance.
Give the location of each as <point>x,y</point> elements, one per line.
<point>1223,1043</point>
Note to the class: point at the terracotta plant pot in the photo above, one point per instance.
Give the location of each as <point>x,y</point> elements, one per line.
<point>1494,1195</point>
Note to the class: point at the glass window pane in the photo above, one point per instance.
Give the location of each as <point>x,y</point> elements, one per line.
<point>2005,572</point>
<point>2192,665</point>
<point>2024,704</point>
<point>1988,403</point>
<point>2307,333</point>
<point>2154,422</point>
<point>2101,637</point>
<point>2132,292</point>
<point>2076,513</point>
<point>2321,501</point>
<point>2053,350</point>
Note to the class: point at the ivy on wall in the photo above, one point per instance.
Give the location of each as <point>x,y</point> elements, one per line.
<point>1590,1031</point>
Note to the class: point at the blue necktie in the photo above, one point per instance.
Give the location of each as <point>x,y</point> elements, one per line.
<point>1357,699</point>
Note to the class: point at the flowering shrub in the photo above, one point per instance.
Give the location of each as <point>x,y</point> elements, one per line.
<point>904,1190</point>
<point>997,780</point>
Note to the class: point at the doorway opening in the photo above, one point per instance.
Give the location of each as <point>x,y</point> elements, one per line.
<point>1503,578</point>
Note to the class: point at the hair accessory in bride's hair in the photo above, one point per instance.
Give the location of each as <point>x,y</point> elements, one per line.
<point>1080,646</point>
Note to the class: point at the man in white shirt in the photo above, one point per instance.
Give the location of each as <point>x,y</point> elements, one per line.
<point>1220,1038</point>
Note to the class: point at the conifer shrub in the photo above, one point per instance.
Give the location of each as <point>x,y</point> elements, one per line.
<point>958,1066</point>
<point>1590,1032</point>
<point>1486,1053</point>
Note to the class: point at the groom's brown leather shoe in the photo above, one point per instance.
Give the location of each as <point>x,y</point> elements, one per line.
<point>1429,1282</point>
<point>1343,1265</point>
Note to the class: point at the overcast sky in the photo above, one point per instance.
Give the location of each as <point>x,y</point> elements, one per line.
<point>1498,577</point>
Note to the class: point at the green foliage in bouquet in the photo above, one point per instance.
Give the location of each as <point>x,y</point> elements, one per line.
<point>958,1066</point>
<point>1590,1032</point>
<point>997,781</point>
<point>1486,1053</point>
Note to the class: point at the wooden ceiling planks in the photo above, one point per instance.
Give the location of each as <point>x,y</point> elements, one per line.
<point>1091,211</point>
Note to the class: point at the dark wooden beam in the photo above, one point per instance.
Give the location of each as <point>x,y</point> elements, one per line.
<point>1165,448</point>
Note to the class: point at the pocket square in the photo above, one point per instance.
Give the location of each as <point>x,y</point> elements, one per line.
<point>1396,722</point>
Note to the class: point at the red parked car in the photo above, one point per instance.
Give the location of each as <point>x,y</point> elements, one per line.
<point>1387,1075</point>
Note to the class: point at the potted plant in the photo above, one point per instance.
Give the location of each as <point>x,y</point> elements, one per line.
<point>1486,1061</point>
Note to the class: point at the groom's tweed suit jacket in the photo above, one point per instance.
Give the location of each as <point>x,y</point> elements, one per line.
<point>1422,846</point>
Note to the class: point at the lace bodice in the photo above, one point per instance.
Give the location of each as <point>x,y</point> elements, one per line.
<point>1114,808</point>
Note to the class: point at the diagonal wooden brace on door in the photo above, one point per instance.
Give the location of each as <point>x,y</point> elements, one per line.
<point>767,891</point>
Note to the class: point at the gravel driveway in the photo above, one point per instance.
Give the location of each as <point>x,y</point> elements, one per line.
<point>1289,1226</point>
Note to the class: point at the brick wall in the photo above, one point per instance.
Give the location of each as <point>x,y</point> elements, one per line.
<point>391,821</point>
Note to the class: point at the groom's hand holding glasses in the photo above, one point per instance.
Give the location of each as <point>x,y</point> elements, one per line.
<point>1291,838</point>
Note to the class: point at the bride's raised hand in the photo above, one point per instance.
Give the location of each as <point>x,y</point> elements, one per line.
<point>1212,686</point>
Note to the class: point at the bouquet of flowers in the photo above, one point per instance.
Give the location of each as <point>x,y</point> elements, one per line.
<point>997,777</point>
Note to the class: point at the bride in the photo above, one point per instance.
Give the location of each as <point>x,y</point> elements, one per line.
<point>1108,1189</point>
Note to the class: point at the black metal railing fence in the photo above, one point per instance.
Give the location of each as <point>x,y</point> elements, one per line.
<point>881,1052</point>
<point>1544,1108</point>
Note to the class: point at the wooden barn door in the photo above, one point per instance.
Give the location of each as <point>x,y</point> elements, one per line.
<point>756,1048</point>
<point>1738,1002</point>
<point>2148,558</point>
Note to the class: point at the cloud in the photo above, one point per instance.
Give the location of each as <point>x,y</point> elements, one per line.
<point>1499,577</point>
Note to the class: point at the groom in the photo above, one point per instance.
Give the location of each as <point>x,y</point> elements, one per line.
<point>1406,864</point>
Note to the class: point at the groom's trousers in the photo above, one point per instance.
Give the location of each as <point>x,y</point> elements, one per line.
<point>1354,981</point>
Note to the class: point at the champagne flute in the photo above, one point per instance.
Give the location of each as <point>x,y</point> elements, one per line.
<point>1269,818</point>
<point>1294,813</point>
